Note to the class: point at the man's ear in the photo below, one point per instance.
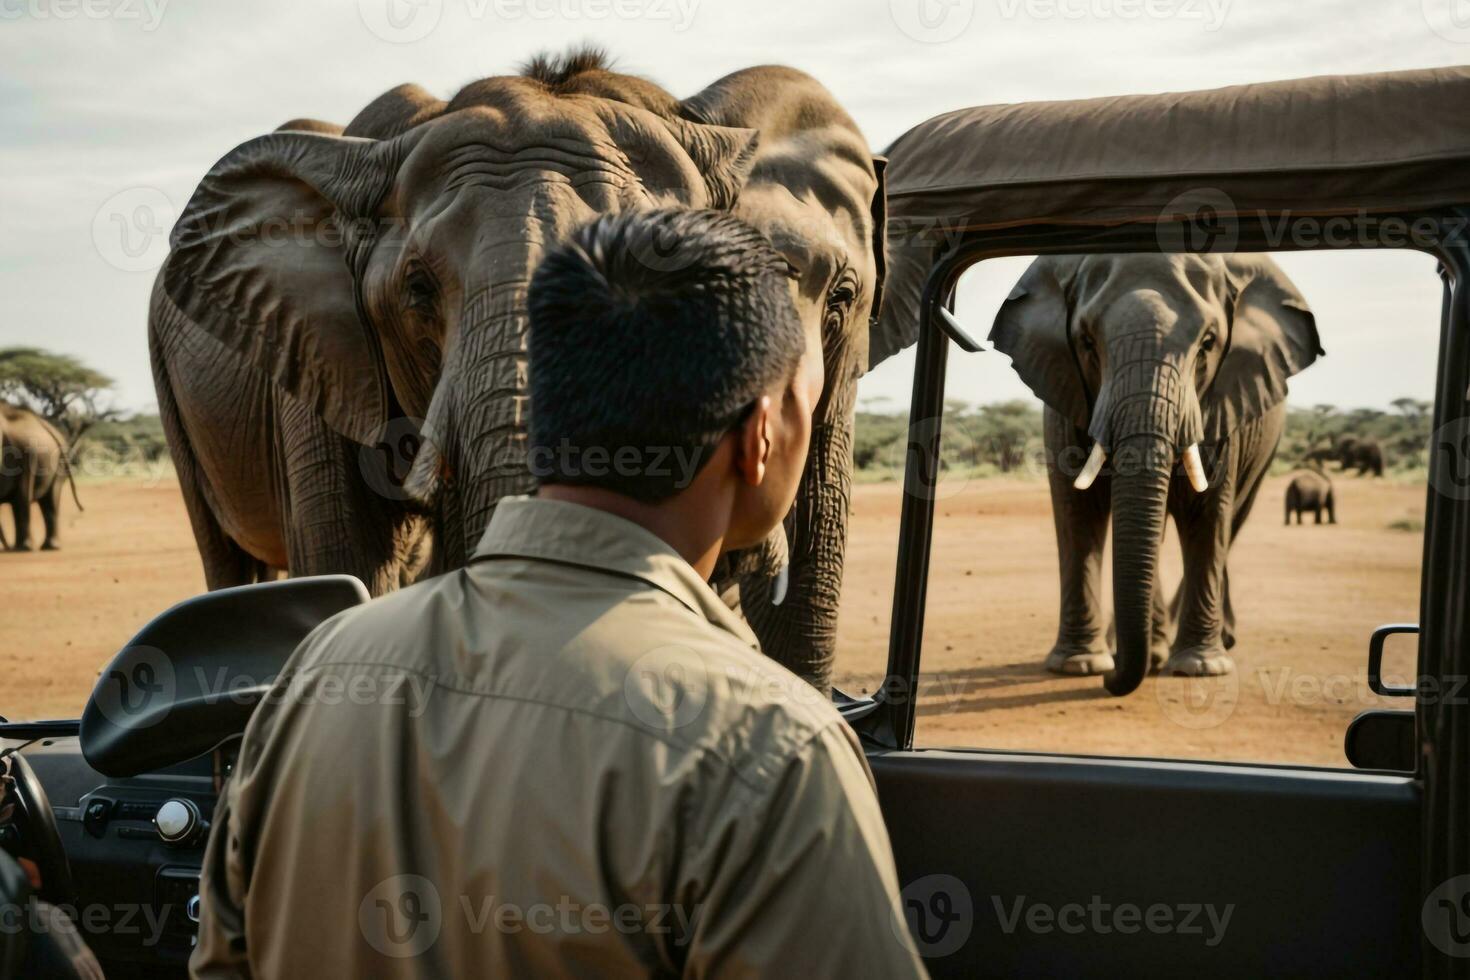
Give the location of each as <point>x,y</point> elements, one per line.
<point>753,445</point>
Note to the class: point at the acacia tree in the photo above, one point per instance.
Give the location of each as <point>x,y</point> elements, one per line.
<point>58,386</point>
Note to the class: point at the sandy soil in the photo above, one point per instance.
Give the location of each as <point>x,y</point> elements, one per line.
<point>1307,599</point>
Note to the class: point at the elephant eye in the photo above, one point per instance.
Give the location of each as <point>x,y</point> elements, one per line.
<point>1087,344</point>
<point>1208,344</point>
<point>419,291</point>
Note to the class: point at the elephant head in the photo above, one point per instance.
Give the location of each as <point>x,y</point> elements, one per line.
<point>381,274</point>
<point>1153,355</point>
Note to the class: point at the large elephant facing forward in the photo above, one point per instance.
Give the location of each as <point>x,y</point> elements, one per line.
<point>358,279</point>
<point>1164,378</point>
<point>33,467</point>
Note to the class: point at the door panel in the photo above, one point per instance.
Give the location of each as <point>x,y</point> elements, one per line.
<point>1318,871</point>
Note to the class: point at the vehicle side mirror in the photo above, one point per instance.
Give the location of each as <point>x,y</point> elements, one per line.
<point>1382,738</point>
<point>1375,660</point>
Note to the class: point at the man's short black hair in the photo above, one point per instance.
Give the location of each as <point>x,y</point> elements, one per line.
<point>652,334</point>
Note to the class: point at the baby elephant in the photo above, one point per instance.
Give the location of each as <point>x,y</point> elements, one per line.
<point>1310,491</point>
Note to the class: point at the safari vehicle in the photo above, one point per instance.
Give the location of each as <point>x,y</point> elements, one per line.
<point>1330,872</point>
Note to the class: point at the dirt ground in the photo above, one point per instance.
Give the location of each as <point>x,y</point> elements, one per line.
<point>1306,599</point>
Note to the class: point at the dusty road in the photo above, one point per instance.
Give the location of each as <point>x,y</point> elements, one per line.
<point>1306,598</point>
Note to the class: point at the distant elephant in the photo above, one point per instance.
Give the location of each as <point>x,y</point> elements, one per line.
<point>1364,455</point>
<point>1310,490</point>
<point>1145,361</point>
<point>332,290</point>
<point>33,466</point>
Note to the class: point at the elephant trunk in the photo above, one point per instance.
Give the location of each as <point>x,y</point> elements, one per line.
<point>474,448</point>
<point>800,632</point>
<point>1144,431</point>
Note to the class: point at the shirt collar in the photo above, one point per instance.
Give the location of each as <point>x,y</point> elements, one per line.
<point>573,534</point>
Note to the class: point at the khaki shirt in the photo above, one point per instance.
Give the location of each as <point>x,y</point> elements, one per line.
<point>568,758</point>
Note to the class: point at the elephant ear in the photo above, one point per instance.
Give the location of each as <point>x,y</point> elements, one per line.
<point>262,260</point>
<point>1031,328</point>
<point>879,210</point>
<point>724,155</point>
<point>1273,335</point>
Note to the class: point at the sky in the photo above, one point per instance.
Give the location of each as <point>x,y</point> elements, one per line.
<point>111,110</point>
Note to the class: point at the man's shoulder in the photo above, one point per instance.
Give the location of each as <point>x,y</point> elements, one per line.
<point>395,628</point>
<point>709,691</point>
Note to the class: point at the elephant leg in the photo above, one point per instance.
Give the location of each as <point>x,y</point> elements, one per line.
<point>1081,519</point>
<point>50,504</point>
<point>20,508</point>
<point>225,563</point>
<point>1204,535</point>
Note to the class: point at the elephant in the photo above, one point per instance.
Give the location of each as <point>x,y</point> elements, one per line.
<point>1144,361</point>
<point>34,463</point>
<point>328,291</point>
<point>1364,455</point>
<point>1310,490</point>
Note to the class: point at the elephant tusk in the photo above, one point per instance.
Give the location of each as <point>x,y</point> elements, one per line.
<point>1194,469</point>
<point>778,587</point>
<point>1091,468</point>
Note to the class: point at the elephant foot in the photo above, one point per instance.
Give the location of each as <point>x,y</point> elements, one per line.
<point>50,546</point>
<point>1078,663</point>
<point>1199,662</point>
<point>1157,657</point>
<point>21,547</point>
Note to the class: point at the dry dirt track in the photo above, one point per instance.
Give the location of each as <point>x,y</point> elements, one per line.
<point>1307,598</point>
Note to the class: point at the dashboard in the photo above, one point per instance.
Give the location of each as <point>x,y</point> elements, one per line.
<point>135,846</point>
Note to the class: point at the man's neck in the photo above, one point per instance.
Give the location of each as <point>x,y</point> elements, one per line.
<point>684,524</point>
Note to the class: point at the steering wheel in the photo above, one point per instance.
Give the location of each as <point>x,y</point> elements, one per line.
<point>36,826</point>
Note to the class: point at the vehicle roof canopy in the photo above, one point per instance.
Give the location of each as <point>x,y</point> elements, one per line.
<point>1334,144</point>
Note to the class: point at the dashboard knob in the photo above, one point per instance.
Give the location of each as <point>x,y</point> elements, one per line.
<point>177,820</point>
